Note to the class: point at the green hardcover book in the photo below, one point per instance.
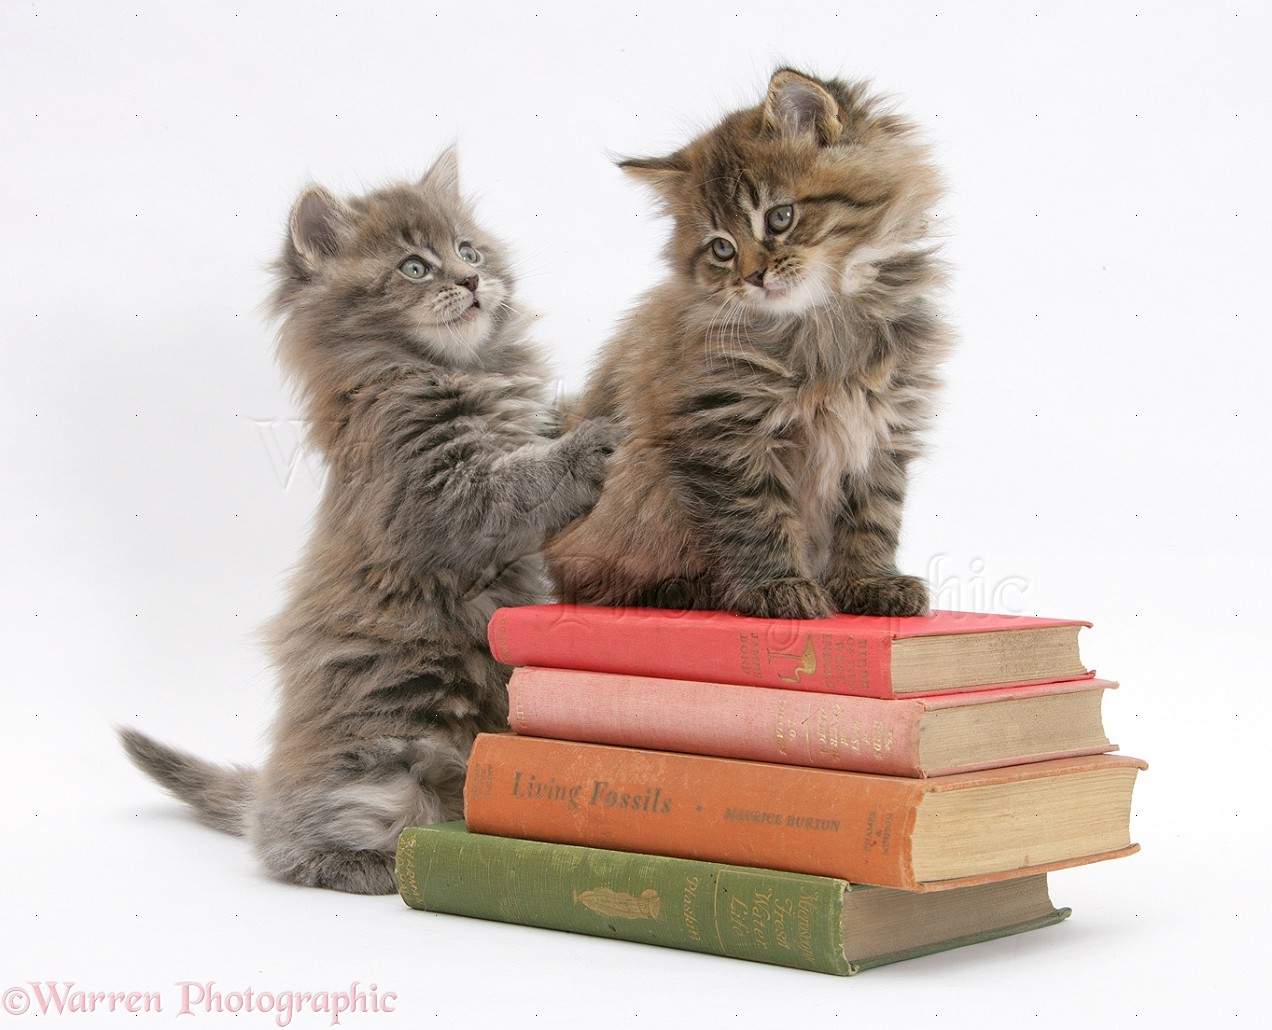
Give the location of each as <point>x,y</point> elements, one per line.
<point>789,919</point>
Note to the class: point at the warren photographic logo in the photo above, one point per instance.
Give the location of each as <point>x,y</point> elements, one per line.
<point>972,587</point>
<point>51,999</point>
<point>289,455</point>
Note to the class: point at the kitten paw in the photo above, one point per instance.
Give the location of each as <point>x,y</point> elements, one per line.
<point>880,595</point>
<point>354,872</point>
<point>591,443</point>
<point>602,435</point>
<point>791,598</point>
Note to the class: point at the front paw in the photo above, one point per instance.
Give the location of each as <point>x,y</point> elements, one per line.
<point>590,445</point>
<point>599,434</point>
<point>880,595</point>
<point>791,598</point>
<point>584,453</point>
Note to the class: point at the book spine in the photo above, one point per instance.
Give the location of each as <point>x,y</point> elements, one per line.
<point>710,646</point>
<point>825,731</point>
<point>785,919</point>
<point>691,806</point>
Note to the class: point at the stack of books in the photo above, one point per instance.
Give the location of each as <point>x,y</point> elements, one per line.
<point>829,794</point>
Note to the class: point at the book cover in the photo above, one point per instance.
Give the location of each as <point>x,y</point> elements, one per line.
<point>789,919</point>
<point>934,735</point>
<point>860,655</point>
<point>890,831</point>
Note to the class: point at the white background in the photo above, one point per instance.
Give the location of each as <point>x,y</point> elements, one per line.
<point>1101,454</point>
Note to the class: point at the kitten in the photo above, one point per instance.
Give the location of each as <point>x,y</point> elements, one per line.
<point>774,387</point>
<point>428,405</point>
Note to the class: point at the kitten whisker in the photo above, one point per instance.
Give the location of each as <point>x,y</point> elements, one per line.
<point>725,324</point>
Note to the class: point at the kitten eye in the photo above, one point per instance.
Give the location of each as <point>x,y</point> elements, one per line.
<point>779,218</point>
<point>469,253</point>
<point>722,249</point>
<point>414,268</point>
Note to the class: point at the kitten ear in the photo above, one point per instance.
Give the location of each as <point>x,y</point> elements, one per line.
<point>443,177</point>
<point>801,108</point>
<point>662,174</point>
<point>319,224</point>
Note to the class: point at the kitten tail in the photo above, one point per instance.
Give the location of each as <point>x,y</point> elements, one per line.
<point>218,794</point>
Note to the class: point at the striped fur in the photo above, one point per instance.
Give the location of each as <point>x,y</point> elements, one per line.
<point>775,387</point>
<point>445,473</point>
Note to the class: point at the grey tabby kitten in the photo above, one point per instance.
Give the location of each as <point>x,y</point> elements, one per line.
<point>775,386</point>
<point>444,477</point>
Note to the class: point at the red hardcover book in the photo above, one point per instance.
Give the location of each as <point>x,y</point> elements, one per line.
<point>889,831</point>
<point>861,655</point>
<point>933,735</point>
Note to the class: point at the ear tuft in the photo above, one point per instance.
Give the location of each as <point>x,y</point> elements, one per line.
<point>799,107</point>
<point>443,178</point>
<point>661,174</point>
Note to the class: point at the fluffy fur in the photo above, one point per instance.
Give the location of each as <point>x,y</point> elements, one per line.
<point>775,386</point>
<point>444,476</point>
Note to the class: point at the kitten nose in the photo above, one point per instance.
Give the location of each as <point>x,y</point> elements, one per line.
<point>756,278</point>
<point>470,283</point>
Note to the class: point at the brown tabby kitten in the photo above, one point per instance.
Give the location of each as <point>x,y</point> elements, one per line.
<point>443,479</point>
<point>775,386</point>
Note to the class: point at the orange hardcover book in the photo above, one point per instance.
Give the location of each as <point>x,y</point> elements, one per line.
<point>932,735</point>
<point>888,831</point>
<point>861,655</point>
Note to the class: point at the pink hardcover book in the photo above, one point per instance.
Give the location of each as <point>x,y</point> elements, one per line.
<point>930,736</point>
<point>866,656</point>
